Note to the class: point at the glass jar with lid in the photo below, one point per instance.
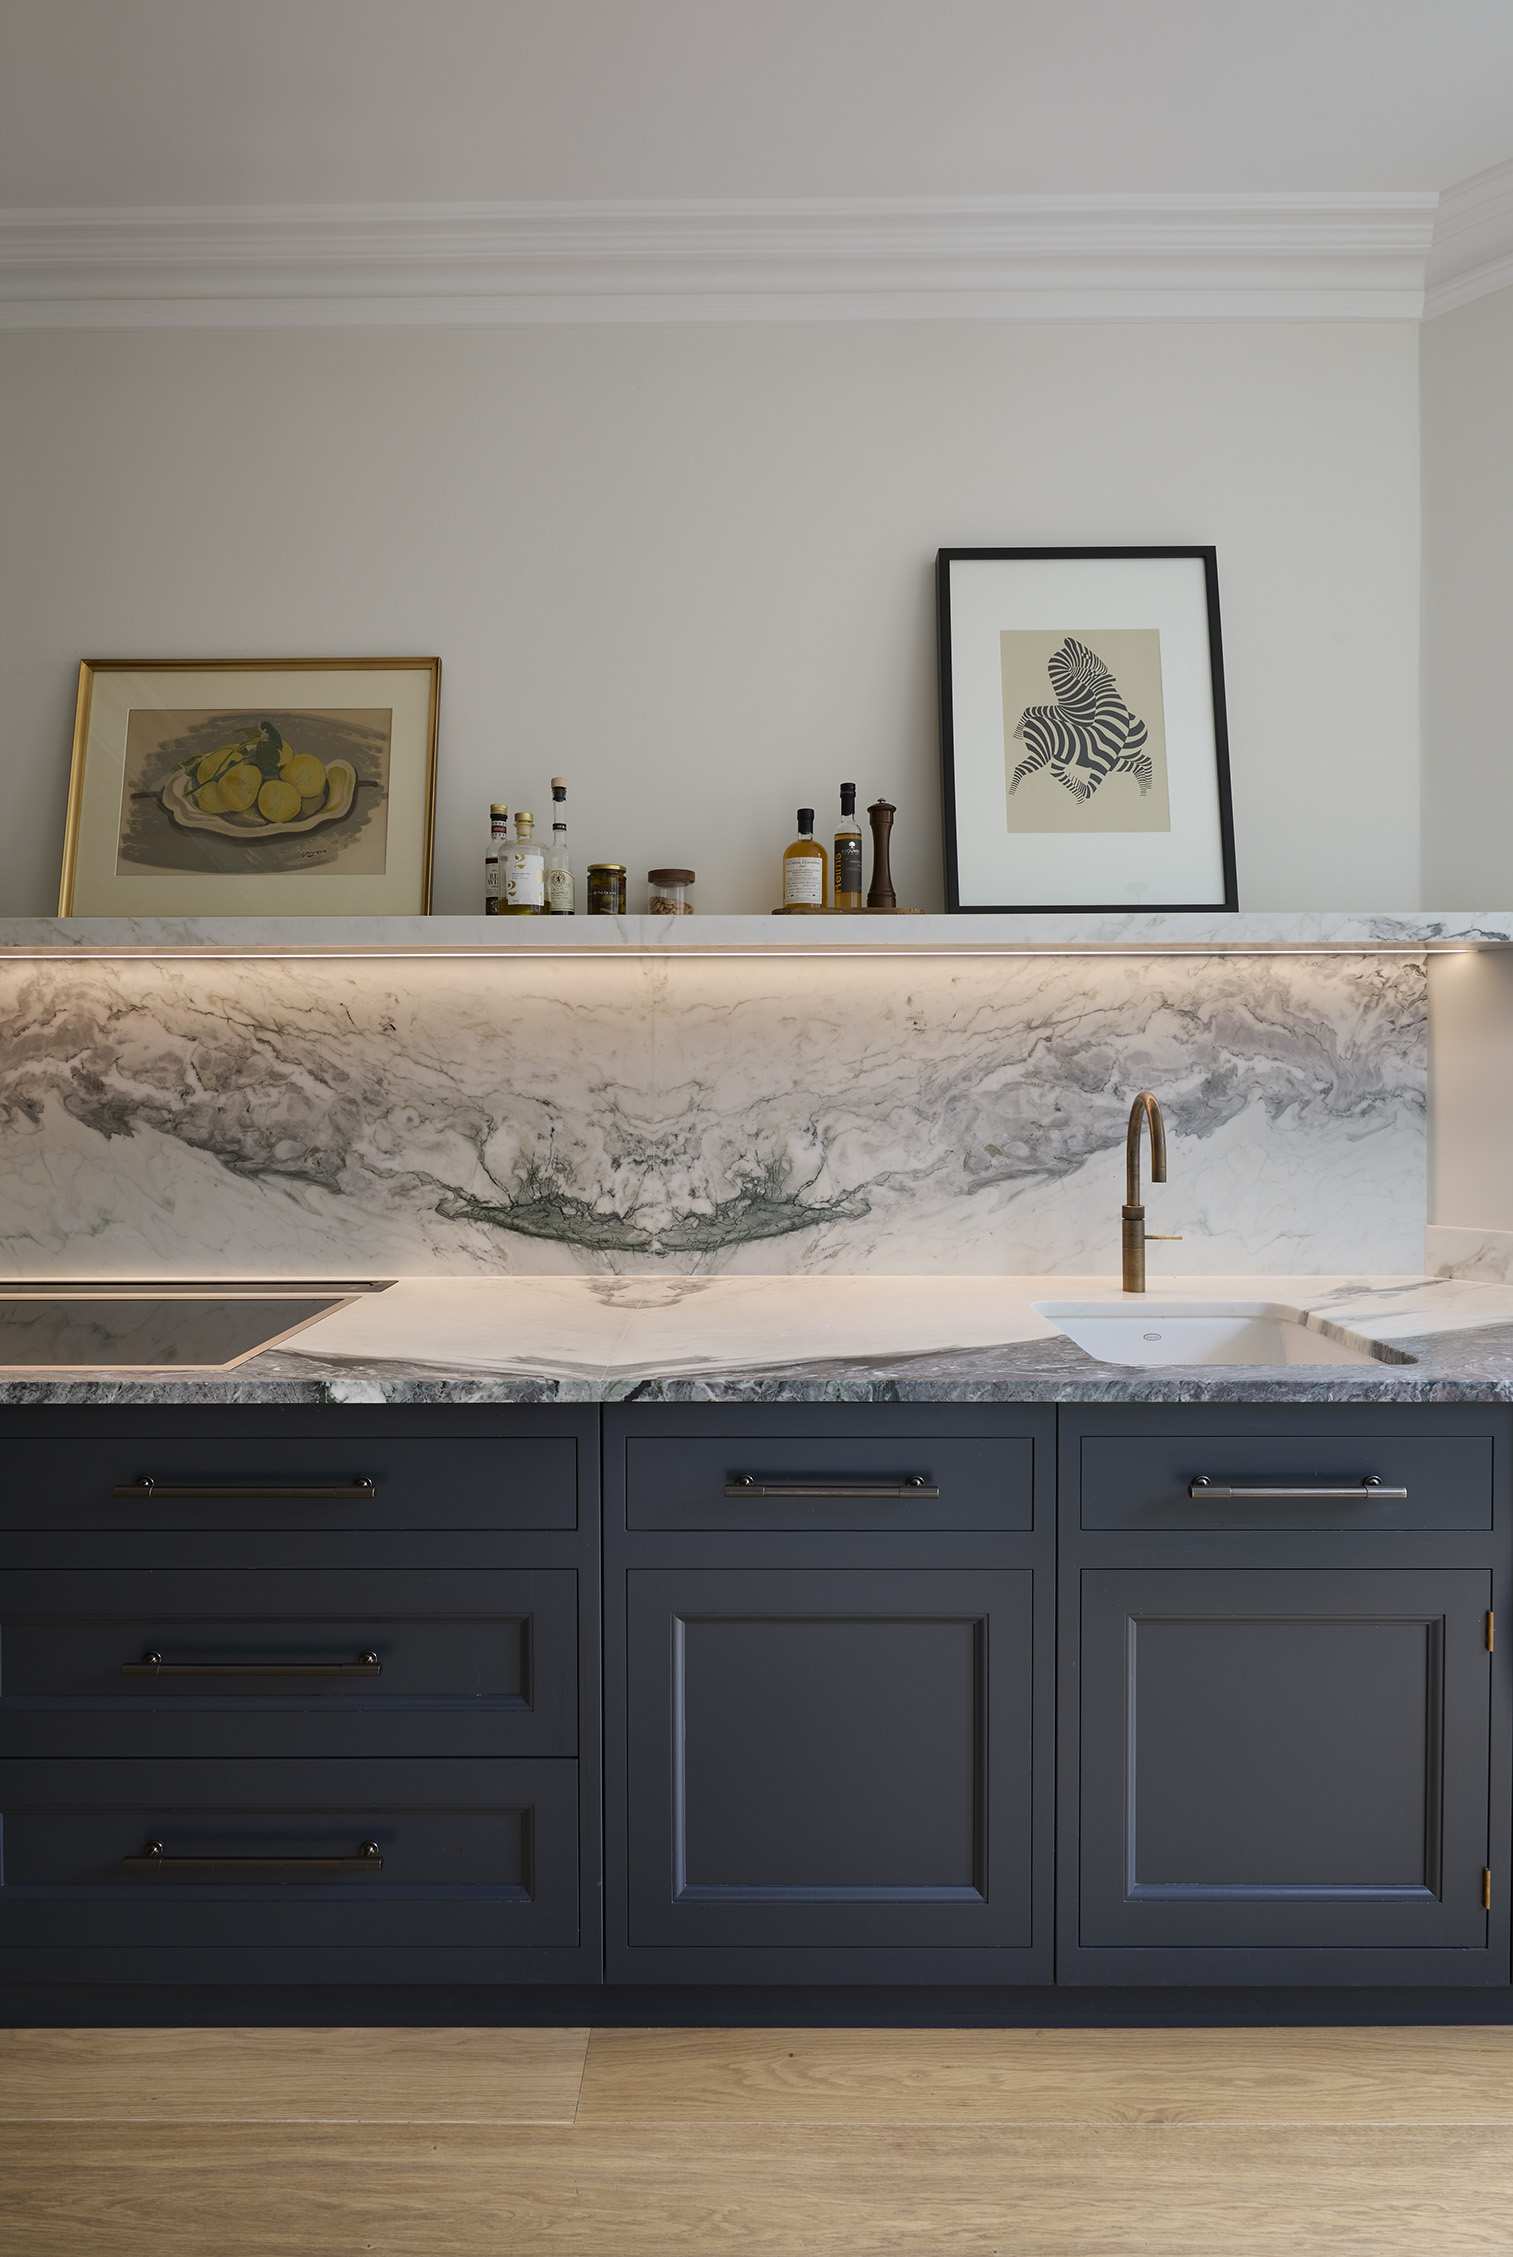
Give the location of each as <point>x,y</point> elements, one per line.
<point>671,893</point>
<point>606,889</point>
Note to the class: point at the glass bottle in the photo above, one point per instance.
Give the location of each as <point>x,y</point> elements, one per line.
<point>499,839</point>
<point>806,866</point>
<point>524,872</point>
<point>848,853</point>
<point>559,869</point>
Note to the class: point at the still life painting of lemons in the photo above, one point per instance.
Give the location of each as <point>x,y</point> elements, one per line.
<point>258,785</point>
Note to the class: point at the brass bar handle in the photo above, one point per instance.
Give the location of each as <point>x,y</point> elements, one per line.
<point>152,1664</point>
<point>362,1486</point>
<point>747,1485</point>
<point>1368,1489</point>
<point>153,1858</point>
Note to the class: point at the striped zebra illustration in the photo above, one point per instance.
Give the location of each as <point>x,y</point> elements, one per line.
<point>1088,734</point>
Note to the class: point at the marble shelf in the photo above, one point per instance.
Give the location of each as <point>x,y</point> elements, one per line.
<point>1324,932</point>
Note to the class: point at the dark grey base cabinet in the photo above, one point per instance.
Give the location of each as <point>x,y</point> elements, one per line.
<point>892,1693</point>
<point>829,1648</point>
<point>300,1696</point>
<point>1283,1725</point>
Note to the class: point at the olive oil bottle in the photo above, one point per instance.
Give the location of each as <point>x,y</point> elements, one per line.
<point>848,853</point>
<point>524,867</point>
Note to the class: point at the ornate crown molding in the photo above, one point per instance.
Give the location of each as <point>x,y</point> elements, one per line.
<point>1051,258</point>
<point>1473,241</point>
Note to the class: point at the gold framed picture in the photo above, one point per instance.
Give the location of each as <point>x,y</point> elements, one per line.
<point>252,787</point>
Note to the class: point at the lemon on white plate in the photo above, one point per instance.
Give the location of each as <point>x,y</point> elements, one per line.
<point>305,773</point>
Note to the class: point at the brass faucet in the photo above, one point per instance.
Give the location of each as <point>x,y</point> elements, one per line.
<point>1145,1109</point>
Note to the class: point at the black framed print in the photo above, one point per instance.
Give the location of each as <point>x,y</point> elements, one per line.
<point>1084,753</point>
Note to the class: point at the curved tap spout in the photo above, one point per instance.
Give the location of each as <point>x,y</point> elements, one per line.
<point>1146,1110</point>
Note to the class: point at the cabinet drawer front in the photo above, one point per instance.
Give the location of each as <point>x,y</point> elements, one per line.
<point>262,1854</point>
<point>762,1480</point>
<point>254,1480</point>
<point>1146,1481</point>
<point>239,1664</point>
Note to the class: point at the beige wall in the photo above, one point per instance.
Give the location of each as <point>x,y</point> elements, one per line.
<point>1467,362</point>
<point>1467,377</point>
<point>691,567</point>
<point>1471,1090</point>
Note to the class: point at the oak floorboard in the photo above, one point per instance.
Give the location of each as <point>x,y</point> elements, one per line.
<point>292,2076</point>
<point>1301,2076</point>
<point>779,2191</point>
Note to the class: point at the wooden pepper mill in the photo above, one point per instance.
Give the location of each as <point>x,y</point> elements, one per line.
<point>880,894</point>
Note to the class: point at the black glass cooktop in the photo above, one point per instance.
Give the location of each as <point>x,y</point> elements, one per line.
<point>191,1327</point>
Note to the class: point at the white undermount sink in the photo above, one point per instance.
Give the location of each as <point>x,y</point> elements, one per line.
<point>1144,1328</point>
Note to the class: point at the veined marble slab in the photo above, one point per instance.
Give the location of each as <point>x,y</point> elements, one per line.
<point>536,1116</point>
<point>1485,1256</point>
<point>969,1339</point>
<point>628,1328</point>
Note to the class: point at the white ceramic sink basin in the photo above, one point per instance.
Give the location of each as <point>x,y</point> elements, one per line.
<point>1148,1328</point>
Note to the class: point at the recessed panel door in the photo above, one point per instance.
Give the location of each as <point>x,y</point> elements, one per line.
<point>1290,1758</point>
<point>831,1757</point>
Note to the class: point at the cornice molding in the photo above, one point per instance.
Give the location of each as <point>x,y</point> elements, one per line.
<point>1049,258</point>
<point>1473,241</point>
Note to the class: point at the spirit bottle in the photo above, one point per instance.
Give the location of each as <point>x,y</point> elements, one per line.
<point>559,870</point>
<point>848,853</point>
<point>806,866</point>
<point>524,872</point>
<point>499,839</point>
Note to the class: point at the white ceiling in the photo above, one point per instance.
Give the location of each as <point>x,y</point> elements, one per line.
<point>196,102</point>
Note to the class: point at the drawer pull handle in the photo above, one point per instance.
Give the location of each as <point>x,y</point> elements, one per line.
<point>152,1858</point>
<point>1370,1487</point>
<point>747,1485</point>
<point>362,1486</point>
<point>152,1664</point>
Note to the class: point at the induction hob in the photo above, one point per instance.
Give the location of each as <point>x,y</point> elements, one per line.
<point>204,1325</point>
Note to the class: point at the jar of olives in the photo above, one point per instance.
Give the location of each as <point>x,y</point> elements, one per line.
<point>606,889</point>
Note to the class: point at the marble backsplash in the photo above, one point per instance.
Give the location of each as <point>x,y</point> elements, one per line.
<point>967,1115</point>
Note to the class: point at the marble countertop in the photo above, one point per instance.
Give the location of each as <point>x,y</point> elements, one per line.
<point>837,1339</point>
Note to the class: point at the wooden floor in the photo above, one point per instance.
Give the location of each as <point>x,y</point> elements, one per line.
<point>829,2143</point>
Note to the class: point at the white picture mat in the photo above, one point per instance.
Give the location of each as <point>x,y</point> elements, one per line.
<point>99,890</point>
<point>999,869</point>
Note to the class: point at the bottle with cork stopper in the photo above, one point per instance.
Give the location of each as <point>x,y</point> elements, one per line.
<point>558,866</point>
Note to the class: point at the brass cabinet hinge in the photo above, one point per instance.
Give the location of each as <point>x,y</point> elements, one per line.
<point>1490,1620</point>
<point>1486,1888</point>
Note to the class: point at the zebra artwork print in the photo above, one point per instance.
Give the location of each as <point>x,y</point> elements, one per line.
<point>1089,734</point>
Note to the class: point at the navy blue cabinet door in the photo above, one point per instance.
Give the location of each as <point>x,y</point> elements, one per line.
<point>829,1693</point>
<point>1284,1762</point>
<point>833,1758</point>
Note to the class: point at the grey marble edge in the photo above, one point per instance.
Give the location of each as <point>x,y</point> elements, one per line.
<point>1474,1365</point>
